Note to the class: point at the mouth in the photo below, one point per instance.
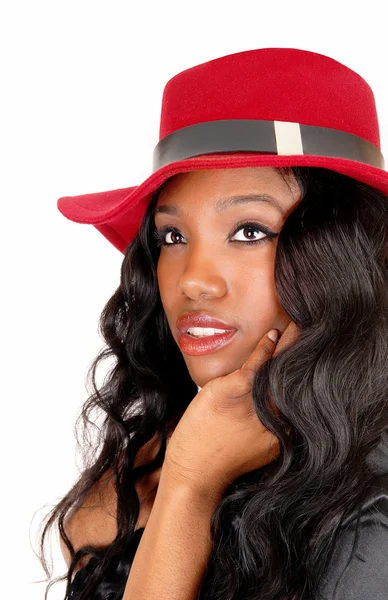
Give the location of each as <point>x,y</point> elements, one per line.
<point>198,341</point>
<point>201,332</point>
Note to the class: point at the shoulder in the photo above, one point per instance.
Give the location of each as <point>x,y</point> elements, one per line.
<point>359,565</point>
<point>94,523</point>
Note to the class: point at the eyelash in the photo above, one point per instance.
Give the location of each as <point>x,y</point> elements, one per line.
<point>159,234</point>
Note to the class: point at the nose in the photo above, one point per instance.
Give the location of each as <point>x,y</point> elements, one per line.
<point>202,277</point>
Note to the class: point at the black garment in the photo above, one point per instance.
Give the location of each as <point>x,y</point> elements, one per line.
<point>113,585</point>
<point>366,577</point>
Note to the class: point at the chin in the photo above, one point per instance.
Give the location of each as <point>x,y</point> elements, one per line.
<point>199,379</point>
<point>206,367</point>
<point>202,376</point>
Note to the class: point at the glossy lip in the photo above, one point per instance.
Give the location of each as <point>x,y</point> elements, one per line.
<point>201,319</point>
<point>204,345</point>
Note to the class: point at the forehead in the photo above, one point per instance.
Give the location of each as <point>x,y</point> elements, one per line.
<point>213,189</point>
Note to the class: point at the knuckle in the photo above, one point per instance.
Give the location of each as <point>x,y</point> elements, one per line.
<point>224,391</point>
<point>239,379</point>
<point>241,385</point>
<point>267,348</point>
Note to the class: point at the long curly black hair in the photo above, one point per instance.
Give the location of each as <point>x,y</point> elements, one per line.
<point>275,529</point>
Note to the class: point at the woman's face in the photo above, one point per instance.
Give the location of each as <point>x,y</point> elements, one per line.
<point>205,269</point>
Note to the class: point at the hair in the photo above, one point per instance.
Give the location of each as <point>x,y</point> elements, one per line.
<point>330,387</point>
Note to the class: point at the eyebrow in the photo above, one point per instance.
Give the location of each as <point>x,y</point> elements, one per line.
<point>225,203</point>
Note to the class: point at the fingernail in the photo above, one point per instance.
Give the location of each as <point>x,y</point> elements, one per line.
<point>273,335</point>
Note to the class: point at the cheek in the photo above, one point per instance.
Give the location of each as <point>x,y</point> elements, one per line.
<point>256,277</point>
<point>268,302</point>
<point>165,278</point>
<point>260,298</point>
<point>255,288</point>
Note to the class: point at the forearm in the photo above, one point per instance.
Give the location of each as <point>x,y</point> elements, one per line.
<point>175,547</point>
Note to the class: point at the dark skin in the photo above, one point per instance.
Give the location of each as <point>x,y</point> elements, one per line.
<point>206,271</point>
<point>219,436</point>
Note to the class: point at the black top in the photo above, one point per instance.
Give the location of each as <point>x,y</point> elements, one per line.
<point>113,585</point>
<point>365,578</point>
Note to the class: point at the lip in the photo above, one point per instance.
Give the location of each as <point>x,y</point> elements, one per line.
<point>200,319</point>
<point>203,345</point>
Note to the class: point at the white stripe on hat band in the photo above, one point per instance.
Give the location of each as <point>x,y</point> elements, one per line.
<point>288,138</point>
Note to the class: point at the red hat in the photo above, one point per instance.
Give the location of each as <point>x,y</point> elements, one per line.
<point>273,107</point>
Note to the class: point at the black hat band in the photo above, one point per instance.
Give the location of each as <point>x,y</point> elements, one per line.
<point>268,137</point>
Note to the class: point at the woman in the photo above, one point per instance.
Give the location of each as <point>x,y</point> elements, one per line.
<point>232,467</point>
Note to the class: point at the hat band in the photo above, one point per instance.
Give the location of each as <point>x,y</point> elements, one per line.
<point>269,137</point>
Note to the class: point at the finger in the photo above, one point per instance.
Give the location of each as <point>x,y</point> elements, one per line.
<point>263,351</point>
<point>267,349</point>
<point>287,338</point>
<point>239,382</point>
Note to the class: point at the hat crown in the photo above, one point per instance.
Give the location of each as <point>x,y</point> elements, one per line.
<point>272,84</point>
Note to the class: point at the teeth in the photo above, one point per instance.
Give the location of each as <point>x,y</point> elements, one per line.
<point>204,331</point>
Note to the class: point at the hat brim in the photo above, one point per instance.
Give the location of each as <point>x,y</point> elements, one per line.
<point>117,214</point>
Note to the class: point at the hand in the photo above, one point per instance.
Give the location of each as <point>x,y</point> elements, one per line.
<point>219,437</point>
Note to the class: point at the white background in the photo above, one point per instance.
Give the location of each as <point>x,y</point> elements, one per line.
<point>81,88</point>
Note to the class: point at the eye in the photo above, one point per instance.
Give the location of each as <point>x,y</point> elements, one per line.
<point>160,236</point>
<point>246,227</point>
<point>174,237</point>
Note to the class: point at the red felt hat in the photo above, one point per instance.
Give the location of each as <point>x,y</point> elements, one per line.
<point>275,107</point>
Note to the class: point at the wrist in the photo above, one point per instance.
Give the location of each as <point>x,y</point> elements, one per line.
<point>189,488</point>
